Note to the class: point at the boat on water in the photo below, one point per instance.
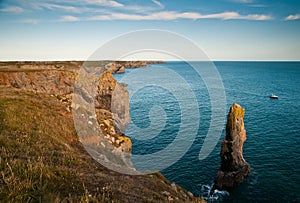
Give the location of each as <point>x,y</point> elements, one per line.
<point>273,96</point>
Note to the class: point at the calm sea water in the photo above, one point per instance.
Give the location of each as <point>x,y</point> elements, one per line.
<point>272,147</point>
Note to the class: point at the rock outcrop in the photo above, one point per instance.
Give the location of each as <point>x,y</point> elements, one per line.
<point>107,105</point>
<point>56,82</point>
<point>112,110</point>
<point>119,66</point>
<point>114,67</point>
<point>17,66</point>
<point>233,167</point>
<point>111,99</point>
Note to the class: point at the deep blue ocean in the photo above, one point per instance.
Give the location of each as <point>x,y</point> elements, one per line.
<point>272,147</point>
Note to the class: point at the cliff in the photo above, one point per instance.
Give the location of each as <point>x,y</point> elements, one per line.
<point>112,110</point>
<point>48,81</point>
<point>16,66</point>
<point>58,79</point>
<point>234,168</point>
<point>41,157</point>
<point>119,66</point>
<point>73,66</point>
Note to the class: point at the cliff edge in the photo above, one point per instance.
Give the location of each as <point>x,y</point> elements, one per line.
<point>112,110</point>
<point>41,157</point>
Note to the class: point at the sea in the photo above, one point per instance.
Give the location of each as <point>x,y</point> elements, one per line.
<point>173,100</point>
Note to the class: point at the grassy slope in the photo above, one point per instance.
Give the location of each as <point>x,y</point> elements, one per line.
<point>41,159</point>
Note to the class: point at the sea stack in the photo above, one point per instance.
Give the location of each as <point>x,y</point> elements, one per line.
<point>233,167</point>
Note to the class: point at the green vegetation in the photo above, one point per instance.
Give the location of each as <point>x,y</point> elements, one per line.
<point>40,154</point>
<point>41,159</point>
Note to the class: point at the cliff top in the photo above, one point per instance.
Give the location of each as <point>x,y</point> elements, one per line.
<point>41,158</point>
<point>65,65</point>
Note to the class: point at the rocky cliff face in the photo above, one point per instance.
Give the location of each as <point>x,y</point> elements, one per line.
<point>111,99</point>
<point>115,67</point>
<point>119,66</point>
<point>40,149</point>
<point>40,65</point>
<point>112,117</point>
<point>112,110</point>
<point>47,81</point>
<point>233,167</point>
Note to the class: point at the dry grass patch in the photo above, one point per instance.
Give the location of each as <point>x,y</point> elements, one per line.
<point>41,159</point>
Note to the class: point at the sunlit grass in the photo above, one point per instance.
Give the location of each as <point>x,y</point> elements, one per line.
<point>39,152</point>
<point>41,159</point>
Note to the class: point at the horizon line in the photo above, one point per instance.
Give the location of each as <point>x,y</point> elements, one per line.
<point>160,60</point>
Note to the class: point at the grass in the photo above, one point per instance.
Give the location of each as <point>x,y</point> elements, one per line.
<point>41,159</point>
<point>38,161</point>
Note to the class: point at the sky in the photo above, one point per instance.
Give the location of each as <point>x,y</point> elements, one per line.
<point>223,29</point>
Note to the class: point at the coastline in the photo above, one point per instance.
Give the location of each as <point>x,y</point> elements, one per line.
<point>20,88</point>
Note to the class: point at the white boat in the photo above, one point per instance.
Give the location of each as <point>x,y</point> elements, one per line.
<point>273,96</point>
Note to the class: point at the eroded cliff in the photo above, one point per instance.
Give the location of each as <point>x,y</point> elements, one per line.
<point>234,168</point>
<point>112,110</point>
<point>39,139</point>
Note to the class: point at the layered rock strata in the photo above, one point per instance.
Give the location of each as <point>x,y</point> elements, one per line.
<point>234,168</point>
<point>44,81</point>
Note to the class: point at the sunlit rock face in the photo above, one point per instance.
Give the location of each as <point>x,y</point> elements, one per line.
<point>234,168</point>
<point>112,109</point>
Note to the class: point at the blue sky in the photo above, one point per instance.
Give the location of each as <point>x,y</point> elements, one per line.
<point>224,29</point>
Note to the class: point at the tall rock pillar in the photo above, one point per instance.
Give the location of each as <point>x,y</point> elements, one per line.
<point>234,168</point>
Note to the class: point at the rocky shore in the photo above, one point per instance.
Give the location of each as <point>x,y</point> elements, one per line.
<point>45,91</point>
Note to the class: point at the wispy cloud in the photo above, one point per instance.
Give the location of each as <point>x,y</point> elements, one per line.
<point>109,3</point>
<point>66,8</point>
<point>93,10</point>
<point>172,15</point>
<point>257,5</point>
<point>69,19</point>
<point>160,5</point>
<point>140,9</point>
<point>30,21</point>
<point>13,9</point>
<point>256,17</point>
<point>293,17</point>
<point>61,7</point>
<point>242,1</point>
